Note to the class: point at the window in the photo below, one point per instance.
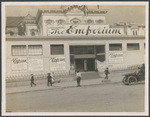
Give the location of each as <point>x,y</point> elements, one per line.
<point>134,32</point>
<point>100,53</point>
<point>57,49</point>
<point>101,58</point>
<point>100,49</point>
<point>133,46</point>
<point>35,50</point>
<point>19,50</point>
<point>83,50</point>
<point>115,47</point>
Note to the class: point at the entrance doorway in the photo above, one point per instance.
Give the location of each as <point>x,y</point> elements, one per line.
<point>91,64</point>
<point>82,57</point>
<point>79,64</point>
<point>87,64</point>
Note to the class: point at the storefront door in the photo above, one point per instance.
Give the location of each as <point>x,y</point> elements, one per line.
<point>79,64</point>
<point>90,64</point>
<point>87,64</point>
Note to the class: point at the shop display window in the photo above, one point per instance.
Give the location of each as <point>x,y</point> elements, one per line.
<point>101,57</point>
<point>19,50</point>
<point>57,49</point>
<point>35,50</point>
<point>100,53</point>
<point>115,47</point>
<point>133,46</point>
<point>82,50</point>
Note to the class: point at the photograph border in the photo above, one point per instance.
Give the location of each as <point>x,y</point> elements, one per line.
<point>3,83</point>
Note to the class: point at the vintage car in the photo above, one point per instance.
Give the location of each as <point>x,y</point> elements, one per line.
<point>135,77</point>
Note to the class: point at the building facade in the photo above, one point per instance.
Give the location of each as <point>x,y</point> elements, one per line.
<point>71,38</point>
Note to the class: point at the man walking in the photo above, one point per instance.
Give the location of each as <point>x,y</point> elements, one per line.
<point>78,76</point>
<point>49,79</point>
<point>32,80</point>
<point>106,73</point>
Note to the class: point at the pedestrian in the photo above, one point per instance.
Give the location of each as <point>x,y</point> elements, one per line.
<point>32,80</point>
<point>49,79</point>
<point>78,77</point>
<point>106,73</point>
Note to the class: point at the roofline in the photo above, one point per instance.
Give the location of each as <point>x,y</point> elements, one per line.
<point>76,37</point>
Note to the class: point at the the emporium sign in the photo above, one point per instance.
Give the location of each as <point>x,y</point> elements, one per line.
<point>84,30</point>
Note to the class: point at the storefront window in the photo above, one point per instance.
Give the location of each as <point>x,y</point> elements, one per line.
<point>133,46</point>
<point>100,49</point>
<point>35,50</point>
<point>115,47</point>
<point>57,49</point>
<point>100,58</point>
<point>81,50</point>
<point>100,53</point>
<point>19,50</point>
<point>71,50</point>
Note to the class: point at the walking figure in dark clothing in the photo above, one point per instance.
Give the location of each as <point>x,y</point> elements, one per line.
<point>49,79</point>
<point>106,73</point>
<point>32,80</point>
<point>78,76</point>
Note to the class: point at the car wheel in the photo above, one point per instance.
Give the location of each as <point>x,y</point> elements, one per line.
<point>124,80</point>
<point>132,80</point>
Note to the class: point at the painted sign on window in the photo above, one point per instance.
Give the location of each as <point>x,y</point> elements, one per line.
<point>57,64</point>
<point>19,64</point>
<point>116,57</point>
<point>35,64</point>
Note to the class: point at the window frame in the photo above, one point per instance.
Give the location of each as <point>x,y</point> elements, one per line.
<point>56,45</point>
<point>115,44</point>
<point>18,45</point>
<point>35,54</point>
<point>136,49</point>
<point>100,53</point>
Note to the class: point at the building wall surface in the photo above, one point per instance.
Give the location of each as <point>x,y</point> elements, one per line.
<point>41,63</point>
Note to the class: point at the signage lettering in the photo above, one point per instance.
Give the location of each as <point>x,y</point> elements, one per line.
<point>17,61</point>
<point>57,59</point>
<point>85,30</point>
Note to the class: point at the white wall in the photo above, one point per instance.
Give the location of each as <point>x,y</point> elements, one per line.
<point>129,57</point>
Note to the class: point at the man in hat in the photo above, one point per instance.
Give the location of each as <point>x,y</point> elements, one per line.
<point>78,76</point>
<point>49,79</point>
<point>32,80</point>
<point>106,73</point>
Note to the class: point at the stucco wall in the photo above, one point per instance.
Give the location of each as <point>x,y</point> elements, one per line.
<point>129,57</point>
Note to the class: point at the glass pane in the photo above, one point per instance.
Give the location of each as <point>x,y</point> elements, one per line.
<point>19,50</point>
<point>100,49</point>
<point>115,47</point>
<point>57,49</point>
<point>133,46</point>
<point>100,58</point>
<point>35,49</point>
<point>83,50</point>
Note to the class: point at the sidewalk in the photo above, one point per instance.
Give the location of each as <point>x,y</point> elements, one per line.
<point>67,84</point>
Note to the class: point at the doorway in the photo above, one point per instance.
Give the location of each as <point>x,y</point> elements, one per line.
<point>91,64</point>
<point>79,64</point>
<point>87,64</point>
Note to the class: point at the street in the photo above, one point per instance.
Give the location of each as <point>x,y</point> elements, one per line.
<point>92,98</point>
